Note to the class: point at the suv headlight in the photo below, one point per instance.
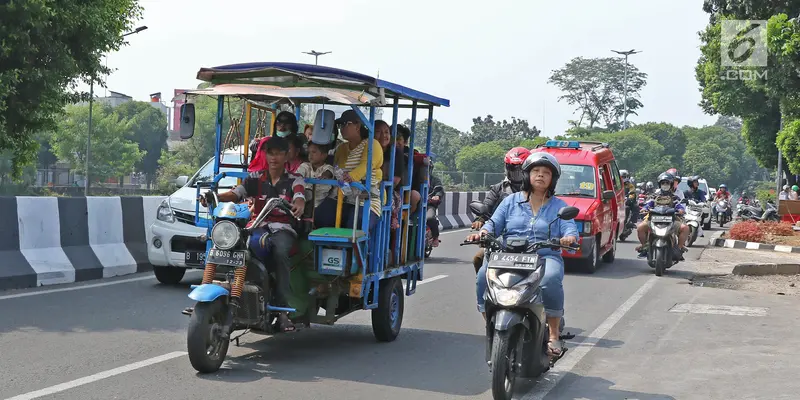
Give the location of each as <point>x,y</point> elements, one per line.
<point>225,235</point>
<point>164,212</point>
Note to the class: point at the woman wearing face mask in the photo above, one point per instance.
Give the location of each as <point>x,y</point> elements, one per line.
<point>528,213</point>
<point>285,124</point>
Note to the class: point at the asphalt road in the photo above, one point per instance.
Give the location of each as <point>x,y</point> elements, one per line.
<point>126,338</point>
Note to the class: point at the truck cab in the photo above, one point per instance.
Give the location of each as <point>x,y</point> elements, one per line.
<point>590,181</point>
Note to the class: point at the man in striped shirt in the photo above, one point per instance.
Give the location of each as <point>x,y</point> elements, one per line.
<point>261,186</point>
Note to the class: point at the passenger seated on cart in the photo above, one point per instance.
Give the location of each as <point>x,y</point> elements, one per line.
<point>403,136</point>
<point>294,157</point>
<point>317,168</point>
<point>262,186</point>
<point>383,135</point>
<point>351,157</point>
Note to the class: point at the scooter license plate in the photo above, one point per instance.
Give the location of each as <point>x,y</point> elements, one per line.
<point>233,258</point>
<point>515,259</point>
<point>661,218</point>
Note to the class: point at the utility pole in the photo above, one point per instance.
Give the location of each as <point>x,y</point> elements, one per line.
<point>91,105</point>
<point>316,55</point>
<point>625,84</point>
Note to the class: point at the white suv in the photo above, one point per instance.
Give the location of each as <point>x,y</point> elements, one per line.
<point>175,244</point>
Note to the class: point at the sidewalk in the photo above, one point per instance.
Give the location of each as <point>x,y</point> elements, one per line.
<point>715,267</point>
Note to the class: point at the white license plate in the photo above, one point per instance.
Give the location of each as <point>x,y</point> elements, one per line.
<point>661,218</point>
<point>515,258</point>
<point>234,258</point>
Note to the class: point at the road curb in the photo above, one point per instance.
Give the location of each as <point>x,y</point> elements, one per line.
<point>740,244</point>
<point>766,269</point>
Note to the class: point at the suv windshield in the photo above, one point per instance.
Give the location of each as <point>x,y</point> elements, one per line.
<point>577,180</point>
<point>206,173</point>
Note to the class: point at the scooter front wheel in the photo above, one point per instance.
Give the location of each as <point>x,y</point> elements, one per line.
<point>504,361</point>
<point>206,346</point>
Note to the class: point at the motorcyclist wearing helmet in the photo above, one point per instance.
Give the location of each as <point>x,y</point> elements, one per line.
<point>649,187</point>
<point>631,203</point>
<point>664,195</point>
<point>511,184</point>
<point>437,193</point>
<point>722,194</point>
<point>528,213</point>
<point>744,199</point>
<point>694,192</point>
<point>795,195</point>
<point>677,181</point>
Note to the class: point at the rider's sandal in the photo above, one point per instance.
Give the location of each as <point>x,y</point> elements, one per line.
<point>285,324</point>
<point>554,348</point>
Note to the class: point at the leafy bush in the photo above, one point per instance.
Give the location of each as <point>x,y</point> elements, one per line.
<point>778,228</point>
<point>748,231</point>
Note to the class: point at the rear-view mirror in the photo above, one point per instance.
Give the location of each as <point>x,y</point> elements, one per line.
<point>181,180</point>
<point>568,213</point>
<point>478,208</point>
<point>608,195</point>
<point>187,121</point>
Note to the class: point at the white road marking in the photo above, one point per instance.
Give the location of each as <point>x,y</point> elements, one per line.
<point>99,376</point>
<point>574,356</point>
<point>719,310</point>
<point>69,289</point>
<point>455,231</point>
<point>431,279</point>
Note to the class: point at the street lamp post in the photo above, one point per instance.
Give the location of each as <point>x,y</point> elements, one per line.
<point>625,84</point>
<point>91,105</point>
<point>316,55</point>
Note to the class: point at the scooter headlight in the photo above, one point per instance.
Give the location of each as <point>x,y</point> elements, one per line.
<point>512,287</point>
<point>225,235</point>
<point>508,297</point>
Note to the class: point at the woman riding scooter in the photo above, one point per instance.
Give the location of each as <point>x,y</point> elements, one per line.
<point>511,184</point>
<point>528,213</point>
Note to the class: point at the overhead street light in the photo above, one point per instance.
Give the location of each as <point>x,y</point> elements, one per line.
<point>625,84</point>
<point>316,55</point>
<point>91,104</point>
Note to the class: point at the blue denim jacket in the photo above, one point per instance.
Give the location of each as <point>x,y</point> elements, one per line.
<point>514,214</point>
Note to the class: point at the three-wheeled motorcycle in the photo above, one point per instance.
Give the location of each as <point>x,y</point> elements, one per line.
<point>337,269</point>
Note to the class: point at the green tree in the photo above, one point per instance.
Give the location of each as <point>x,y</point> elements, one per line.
<point>487,129</point>
<point>637,152</point>
<point>47,46</point>
<point>670,136</point>
<point>111,155</point>
<point>595,87</point>
<point>446,141</point>
<point>484,157</point>
<point>146,126</point>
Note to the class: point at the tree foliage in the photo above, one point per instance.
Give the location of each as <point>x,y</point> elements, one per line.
<point>111,154</point>
<point>47,47</point>
<point>484,157</point>
<point>487,129</point>
<point>596,88</point>
<point>146,126</point>
<point>446,141</point>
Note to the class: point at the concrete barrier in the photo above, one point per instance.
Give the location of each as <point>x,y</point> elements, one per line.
<point>56,240</point>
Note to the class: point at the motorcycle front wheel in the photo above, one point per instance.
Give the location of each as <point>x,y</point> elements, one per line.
<point>206,346</point>
<point>660,258</point>
<point>504,359</point>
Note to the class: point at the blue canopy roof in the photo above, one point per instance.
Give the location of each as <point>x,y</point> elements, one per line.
<point>296,74</point>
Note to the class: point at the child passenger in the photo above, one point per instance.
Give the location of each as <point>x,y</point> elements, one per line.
<point>317,168</point>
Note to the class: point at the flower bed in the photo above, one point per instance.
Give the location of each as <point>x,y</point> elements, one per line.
<point>765,232</point>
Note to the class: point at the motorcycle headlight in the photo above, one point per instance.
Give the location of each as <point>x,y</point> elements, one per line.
<point>164,212</point>
<point>512,288</point>
<point>225,235</point>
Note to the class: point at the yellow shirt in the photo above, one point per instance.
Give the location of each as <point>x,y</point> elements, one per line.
<point>354,161</point>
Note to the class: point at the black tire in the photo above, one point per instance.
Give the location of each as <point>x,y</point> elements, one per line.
<point>707,225</point>
<point>428,251</point>
<point>591,262</point>
<point>692,236</point>
<point>205,353</point>
<point>660,259</point>
<point>611,255</point>
<point>169,275</point>
<point>503,344</point>
<point>387,319</point>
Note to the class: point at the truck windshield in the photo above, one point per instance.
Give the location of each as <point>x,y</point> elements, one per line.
<point>206,173</point>
<point>577,181</point>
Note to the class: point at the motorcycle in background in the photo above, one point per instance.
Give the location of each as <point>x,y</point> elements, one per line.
<point>428,234</point>
<point>723,211</point>
<point>694,218</point>
<point>516,328</point>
